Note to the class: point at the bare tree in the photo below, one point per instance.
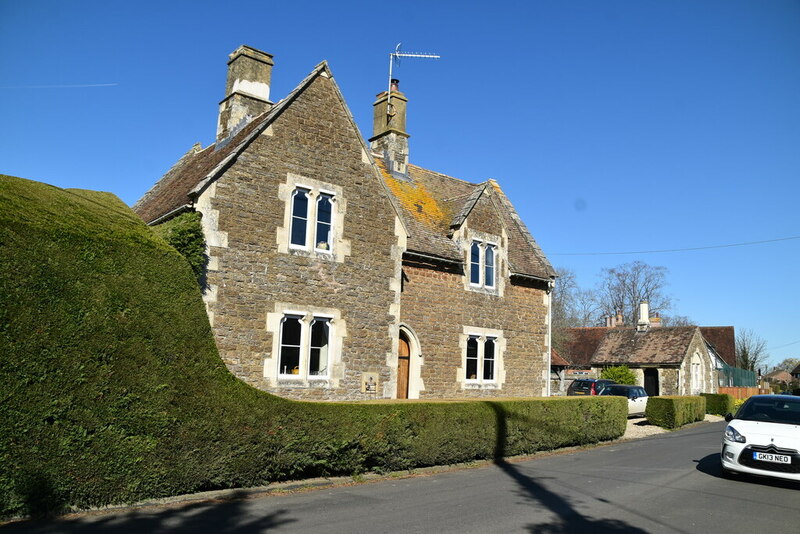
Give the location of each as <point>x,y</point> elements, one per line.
<point>622,288</point>
<point>751,350</point>
<point>677,320</point>
<point>572,306</point>
<point>787,365</point>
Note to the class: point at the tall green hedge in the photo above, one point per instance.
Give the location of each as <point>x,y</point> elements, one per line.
<point>718,403</point>
<point>111,388</point>
<point>185,234</point>
<point>675,411</point>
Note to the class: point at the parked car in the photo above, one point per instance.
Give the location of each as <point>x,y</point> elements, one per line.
<point>636,395</point>
<point>588,386</point>
<point>763,438</point>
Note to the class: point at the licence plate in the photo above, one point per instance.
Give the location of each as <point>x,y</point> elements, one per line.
<point>774,458</point>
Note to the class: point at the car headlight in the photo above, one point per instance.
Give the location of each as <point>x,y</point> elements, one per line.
<point>731,434</point>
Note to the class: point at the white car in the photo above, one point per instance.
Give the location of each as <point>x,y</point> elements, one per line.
<point>763,438</point>
<point>636,395</point>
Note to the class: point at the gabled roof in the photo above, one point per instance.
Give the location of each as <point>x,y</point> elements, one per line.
<point>723,339</point>
<point>556,359</point>
<point>626,346</point>
<point>181,185</point>
<point>429,204</point>
<point>796,370</point>
<point>433,204</point>
<point>778,376</point>
<point>581,344</point>
<point>197,168</point>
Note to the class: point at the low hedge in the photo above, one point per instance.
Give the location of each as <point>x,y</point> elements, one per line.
<point>112,390</point>
<point>718,403</point>
<point>675,411</point>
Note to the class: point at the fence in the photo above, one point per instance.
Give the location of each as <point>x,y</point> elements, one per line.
<point>743,392</point>
<point>735,377</point>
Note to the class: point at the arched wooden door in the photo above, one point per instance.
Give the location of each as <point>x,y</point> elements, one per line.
<point>403,361</point>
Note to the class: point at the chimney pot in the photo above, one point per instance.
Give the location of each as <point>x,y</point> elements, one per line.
<point>643,324</point>
<point>389,137</point>
<point>246,90</point>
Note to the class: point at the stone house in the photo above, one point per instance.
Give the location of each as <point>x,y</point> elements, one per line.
<point>338,270</point>
<point>675,360</point>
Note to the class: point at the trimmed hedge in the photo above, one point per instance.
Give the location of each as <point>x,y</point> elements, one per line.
<point>718,403</point>
<point>675,411</point>
<point>112,390</point>
<point>185,234</point>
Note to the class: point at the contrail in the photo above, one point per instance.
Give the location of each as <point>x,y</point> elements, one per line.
<point>75,86</point>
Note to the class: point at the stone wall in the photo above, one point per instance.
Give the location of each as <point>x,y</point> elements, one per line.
<point>314,138</point>
<point>437,308</point>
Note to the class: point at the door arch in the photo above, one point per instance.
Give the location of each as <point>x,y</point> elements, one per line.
<point>403,365</point>
<point>409,363</point>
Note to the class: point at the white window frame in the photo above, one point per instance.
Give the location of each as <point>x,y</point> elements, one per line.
<point>481,265</point>
<point>306,321</point>
<point>481,338</point>
<point>313,197</point>
<point>328,249</point>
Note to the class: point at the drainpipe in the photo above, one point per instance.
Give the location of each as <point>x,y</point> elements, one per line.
<point>550,285</point>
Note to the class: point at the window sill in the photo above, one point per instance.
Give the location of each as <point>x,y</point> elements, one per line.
<point>303,383</point>
<point>481,385</point>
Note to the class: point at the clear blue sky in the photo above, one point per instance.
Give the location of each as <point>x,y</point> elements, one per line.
<point>613,126</point>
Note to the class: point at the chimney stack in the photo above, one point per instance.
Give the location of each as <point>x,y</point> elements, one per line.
<point>389,138</point>
<point>246,91</point>
<point>643,324</point>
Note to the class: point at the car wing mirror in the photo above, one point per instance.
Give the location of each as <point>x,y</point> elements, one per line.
<point>729,417</point>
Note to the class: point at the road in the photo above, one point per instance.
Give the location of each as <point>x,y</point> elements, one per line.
<point>665,483</point>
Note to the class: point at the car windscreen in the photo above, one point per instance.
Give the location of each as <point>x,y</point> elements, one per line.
<point>615,390</point>
<point>785,411</point>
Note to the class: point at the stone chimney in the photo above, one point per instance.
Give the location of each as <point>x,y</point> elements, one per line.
<point>655,321</point>
<point>643,324</point>
<point>389,138</point>
<point>247,90</point>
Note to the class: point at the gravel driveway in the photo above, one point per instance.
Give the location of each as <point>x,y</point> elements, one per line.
<point>639,427</point>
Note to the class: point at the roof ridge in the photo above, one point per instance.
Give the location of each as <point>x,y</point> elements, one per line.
<point>443,174</point>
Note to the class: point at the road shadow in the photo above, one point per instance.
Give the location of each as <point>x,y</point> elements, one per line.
<point>570,520</point>
<point>216,516</point>
<point>712,466</point>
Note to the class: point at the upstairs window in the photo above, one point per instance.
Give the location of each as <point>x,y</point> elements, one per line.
<point>318,220</point>
<point>299,217</point>
<point>482,264</point>
<point>323,240</point>
<point>488,265</point>
<point>475,263</point>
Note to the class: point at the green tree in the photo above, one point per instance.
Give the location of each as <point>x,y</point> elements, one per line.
<point>619,374</point>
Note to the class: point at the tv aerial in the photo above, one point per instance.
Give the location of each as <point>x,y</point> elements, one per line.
<point>395,57</point>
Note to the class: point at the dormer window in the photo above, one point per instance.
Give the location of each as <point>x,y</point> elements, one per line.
<point>482,264</point>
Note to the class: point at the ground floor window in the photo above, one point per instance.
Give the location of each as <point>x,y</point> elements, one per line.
<point>482,359</point>
<point>304,346</point>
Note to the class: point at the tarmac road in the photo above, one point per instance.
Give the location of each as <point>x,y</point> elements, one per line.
<point>665,483</point>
